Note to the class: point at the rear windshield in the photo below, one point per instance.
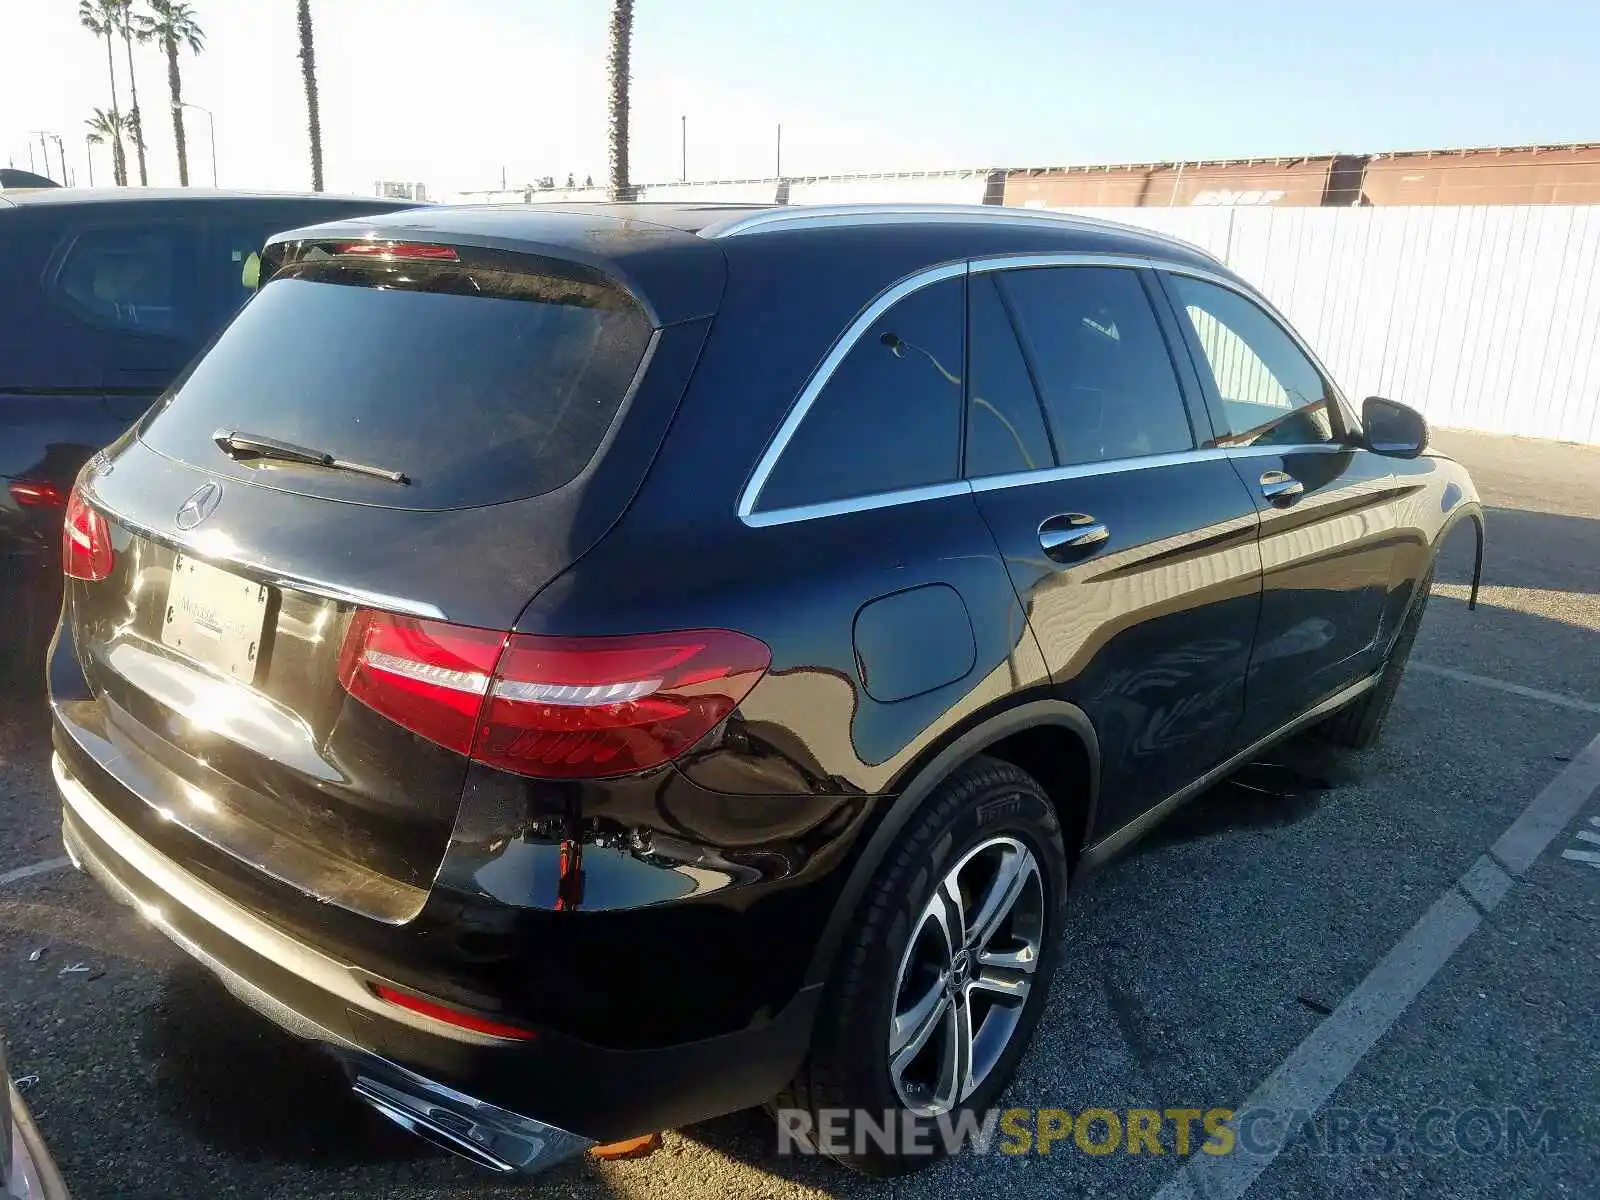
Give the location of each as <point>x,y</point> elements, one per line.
<point>503,392</point>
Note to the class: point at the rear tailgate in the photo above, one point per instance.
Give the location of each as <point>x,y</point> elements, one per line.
<point>212,645</point>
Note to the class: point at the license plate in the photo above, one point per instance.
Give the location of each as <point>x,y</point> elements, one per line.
<point>215,618</point>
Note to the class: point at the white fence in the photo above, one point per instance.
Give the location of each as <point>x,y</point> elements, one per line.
<point>1483,318</point>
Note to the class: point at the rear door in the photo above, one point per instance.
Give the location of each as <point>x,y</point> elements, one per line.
<point>1131,544</point>
<point>1329,525</point>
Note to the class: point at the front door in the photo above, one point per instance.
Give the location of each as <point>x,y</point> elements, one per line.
<point>1132,547</point>
<point>1329,525</point>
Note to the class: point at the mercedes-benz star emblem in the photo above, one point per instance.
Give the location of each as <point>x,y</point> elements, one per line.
<point>200,505</point>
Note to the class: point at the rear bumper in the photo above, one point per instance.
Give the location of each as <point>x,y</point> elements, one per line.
<point>541,1099</point>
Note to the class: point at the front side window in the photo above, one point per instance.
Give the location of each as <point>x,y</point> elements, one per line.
<point>889,417</point>
<point>134,278</point>
<point>1100,360</point>
<point>1272,394</point>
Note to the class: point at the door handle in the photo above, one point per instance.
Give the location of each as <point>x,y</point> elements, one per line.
<point>1067,536</point>
<point>1281,488</point>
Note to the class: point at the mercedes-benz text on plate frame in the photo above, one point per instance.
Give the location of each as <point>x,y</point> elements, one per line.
<point>200,505</point>
<point>215,618</point>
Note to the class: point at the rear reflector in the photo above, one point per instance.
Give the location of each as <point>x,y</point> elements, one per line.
<point>411,250</point>
<point>34,493</point>
<point>450,1016</point>
<point>85,542</point>
<point>549,707</point>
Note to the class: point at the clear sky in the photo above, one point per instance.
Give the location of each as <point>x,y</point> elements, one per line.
<point>449,92</point>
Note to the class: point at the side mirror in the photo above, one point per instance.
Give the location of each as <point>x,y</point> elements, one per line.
<point>1392,428</point>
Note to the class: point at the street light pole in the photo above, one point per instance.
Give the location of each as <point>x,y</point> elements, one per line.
<point>211,126</point>
<point>88,154</point>
<point>683,153</point>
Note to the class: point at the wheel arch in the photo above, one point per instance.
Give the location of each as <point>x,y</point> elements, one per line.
<point>1050,739</point>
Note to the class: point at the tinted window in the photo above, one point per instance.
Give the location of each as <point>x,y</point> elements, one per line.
<point>233,264</point>
<point>1101,362</point>
<point>476,398</point>
<point>1005,426</point>
<point>1271,393</point>
<point>890,415</point>
<point>136,278</point>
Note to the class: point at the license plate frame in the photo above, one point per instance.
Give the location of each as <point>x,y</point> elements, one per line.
<point>216,618</point>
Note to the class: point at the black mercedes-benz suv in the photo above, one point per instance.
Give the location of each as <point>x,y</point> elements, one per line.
<point>596,668</point>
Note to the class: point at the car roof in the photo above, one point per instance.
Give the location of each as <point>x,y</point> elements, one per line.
<point>672,256</point>
<point>31,197</point>
<point>721,220</point>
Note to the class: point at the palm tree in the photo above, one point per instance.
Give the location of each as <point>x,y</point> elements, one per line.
<point>621,46</point>
<point>308,68</point>
<point>107,128</point>
<point>99,17</point>
<point>125,27</point>
<point>172,23</point>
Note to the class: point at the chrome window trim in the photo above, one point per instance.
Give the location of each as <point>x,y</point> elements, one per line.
<point>1107,466</point>
<point>854,504</point>
<point>1267,449</point>
<point>892,295</point>
<point>1239,288</point>
<point>1083,258</point>
<point>846,342</point>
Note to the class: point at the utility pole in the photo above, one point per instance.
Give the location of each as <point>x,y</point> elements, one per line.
<point>683,149</point>
<point>779,169</point>
<point>211,128</point>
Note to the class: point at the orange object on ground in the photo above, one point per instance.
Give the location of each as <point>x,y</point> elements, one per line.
<point>628,1148</point>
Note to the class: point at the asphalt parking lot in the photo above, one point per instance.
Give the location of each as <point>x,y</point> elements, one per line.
<point>1297,939</point>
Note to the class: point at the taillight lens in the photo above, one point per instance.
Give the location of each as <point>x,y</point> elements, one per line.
<point>35,493</point>
<point>85,542</point>
<point>550,707</point>
<point>429,676</point>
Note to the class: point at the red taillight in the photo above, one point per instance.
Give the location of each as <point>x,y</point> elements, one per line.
<point>429,676</point>
<point>34,493</point>
<point>85,542</point>
<point>411,250</point>
<point>451,1016</point>
<point>549,707</point>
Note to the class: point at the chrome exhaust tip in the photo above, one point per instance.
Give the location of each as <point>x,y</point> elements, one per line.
<point>491,1137</point>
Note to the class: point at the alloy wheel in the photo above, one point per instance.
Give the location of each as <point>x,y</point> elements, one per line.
<point>966,976</point>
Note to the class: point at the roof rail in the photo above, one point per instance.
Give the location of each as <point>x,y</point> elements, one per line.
<point>811,216</point>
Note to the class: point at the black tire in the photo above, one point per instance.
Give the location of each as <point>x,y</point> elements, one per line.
<point>1359,724</point>
<point>847,1064</point>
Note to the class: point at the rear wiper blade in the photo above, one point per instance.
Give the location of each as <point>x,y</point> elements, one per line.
<point>239,445</point>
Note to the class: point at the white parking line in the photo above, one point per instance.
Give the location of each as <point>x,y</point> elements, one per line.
<point>39,868</point>
<point>1313,1072</point>
<point>1516,689</point>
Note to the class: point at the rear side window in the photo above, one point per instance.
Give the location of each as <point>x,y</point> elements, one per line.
<point>1104,374</point>
<point>136,278</point>
<point>889,417</point>
<point>503,392</point>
